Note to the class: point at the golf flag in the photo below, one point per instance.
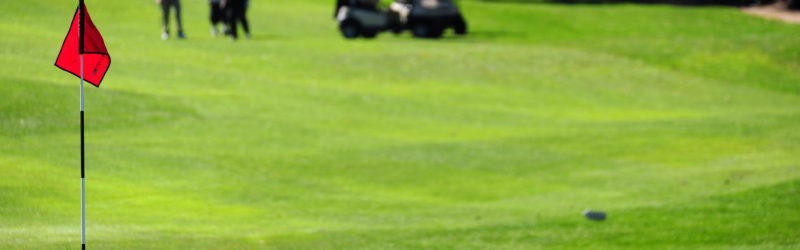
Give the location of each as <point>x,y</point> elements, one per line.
<point>84,38</point>
<point>84,54</point>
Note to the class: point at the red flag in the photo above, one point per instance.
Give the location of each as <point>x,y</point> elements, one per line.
<point>83,38</point>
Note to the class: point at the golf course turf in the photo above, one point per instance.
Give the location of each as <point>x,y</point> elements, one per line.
<point>683,124</point>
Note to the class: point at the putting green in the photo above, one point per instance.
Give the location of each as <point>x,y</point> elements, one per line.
<point>681,123</point>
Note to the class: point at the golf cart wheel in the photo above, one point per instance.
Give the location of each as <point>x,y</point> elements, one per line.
<point>460,26</point>
<point>369,34</point>
<point>421,30</point>
<point>350,29</point>
<point>436,32</point>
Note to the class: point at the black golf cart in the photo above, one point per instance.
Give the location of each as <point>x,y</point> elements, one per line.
<point>425,18</point>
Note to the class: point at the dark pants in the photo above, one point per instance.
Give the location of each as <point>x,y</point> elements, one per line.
<point>166,5</point>
<point>236,12</point>
<point>217,14</point>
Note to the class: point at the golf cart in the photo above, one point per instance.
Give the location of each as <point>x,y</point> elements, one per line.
<point>425,18</point>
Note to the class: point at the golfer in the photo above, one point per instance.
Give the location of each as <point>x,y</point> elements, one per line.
<point>236,12</point>
<point>218,15</point>
<point>166,5</point>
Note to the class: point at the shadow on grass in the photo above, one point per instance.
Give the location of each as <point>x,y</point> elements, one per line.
<point>39,107</point>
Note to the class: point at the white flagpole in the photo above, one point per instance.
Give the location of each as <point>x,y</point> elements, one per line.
<point>83,194</point>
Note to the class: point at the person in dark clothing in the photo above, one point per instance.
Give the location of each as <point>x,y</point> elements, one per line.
<point>166,5</point>
<point>236,11</point>
<point>218,16</point>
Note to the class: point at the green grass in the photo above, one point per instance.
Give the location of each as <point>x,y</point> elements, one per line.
<point>682,123</point>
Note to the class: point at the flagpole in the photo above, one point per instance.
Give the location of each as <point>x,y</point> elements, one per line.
<point>83,193</point>
<point>81,30</point>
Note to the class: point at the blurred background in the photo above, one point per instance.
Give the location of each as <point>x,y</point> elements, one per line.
<point>680,122</point>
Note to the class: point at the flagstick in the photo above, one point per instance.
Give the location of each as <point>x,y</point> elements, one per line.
<point>81,30</point>
<point>83,194</point>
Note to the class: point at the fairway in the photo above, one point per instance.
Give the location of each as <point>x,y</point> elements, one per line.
<point>683,124</point>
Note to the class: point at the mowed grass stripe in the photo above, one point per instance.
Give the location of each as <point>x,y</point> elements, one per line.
<point>299,139</point>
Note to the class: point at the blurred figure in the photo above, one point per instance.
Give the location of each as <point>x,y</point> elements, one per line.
<point>217,16</point>
<point>166,5</point>
<point>363,4</point>
<point>236,11</point>
<point>339,5</point>
<point>402,8</point>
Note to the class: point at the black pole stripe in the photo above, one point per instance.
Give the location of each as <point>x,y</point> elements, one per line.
<point>81,9</point>
<point>82,161</point>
